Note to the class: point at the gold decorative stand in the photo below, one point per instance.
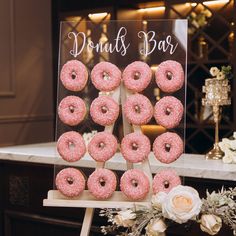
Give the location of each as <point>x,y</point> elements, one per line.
<point>216,95</point>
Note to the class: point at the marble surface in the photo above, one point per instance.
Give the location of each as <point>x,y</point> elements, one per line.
<point>188,165</point>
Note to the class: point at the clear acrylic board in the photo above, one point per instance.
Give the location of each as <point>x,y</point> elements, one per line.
<point>120,43</point>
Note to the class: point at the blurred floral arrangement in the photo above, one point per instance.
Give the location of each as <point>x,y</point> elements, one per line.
<point>228,146</point>
<point>181,205</point>
<point>198,20</point>
<point>224,73</point>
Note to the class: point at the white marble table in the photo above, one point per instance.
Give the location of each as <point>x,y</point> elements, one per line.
<point>188,165</point>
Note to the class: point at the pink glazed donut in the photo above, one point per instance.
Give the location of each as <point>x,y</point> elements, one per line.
<point>103,146</point>
<point>74,75</point>
<point>106,76</point>
<point>70,182</point>
<point>170,76</point>
<point>71,110</point>
<point>102,183</point>
<point>134,184</point>
<point>168,147</point>
<point>135,147</point>
<point>168,112</point>
<point>104,110</point>
<point>165,180</point>
<point>137,76</point>
<point>138,109</point>
<point>71,146</point>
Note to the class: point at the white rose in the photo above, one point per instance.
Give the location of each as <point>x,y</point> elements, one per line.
<point>156,227</point>
<point>228,157</point>
<point>214,71</point>
<point>125,218</point>
<point>226,141</point>
<point>158,199</point>
<point>211,224</point>
<point>182,203</point>
<point>232,144</point>
<point>224,144</point>
<point>220,76</point>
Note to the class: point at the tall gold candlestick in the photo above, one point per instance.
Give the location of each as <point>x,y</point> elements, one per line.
<point>217,94</point>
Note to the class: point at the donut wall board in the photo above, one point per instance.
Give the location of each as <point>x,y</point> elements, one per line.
<point>121,94</point>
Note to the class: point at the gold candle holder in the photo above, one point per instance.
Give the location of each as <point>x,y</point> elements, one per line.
<point>216,95</point>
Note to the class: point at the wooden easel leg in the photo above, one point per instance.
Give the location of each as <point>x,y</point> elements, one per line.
<point>87,222</point>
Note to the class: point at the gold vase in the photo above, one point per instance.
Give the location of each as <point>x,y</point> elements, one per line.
<point>216,95</point>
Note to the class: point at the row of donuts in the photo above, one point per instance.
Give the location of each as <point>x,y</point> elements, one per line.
<point>135,147</point>
<point>102,183</point>
<point>106,76</point>
<point>104,110</point>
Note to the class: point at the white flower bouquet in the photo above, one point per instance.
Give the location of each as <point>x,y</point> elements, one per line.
<point>224,73</point>
<point>228,146</point>
<point>181,205</point>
